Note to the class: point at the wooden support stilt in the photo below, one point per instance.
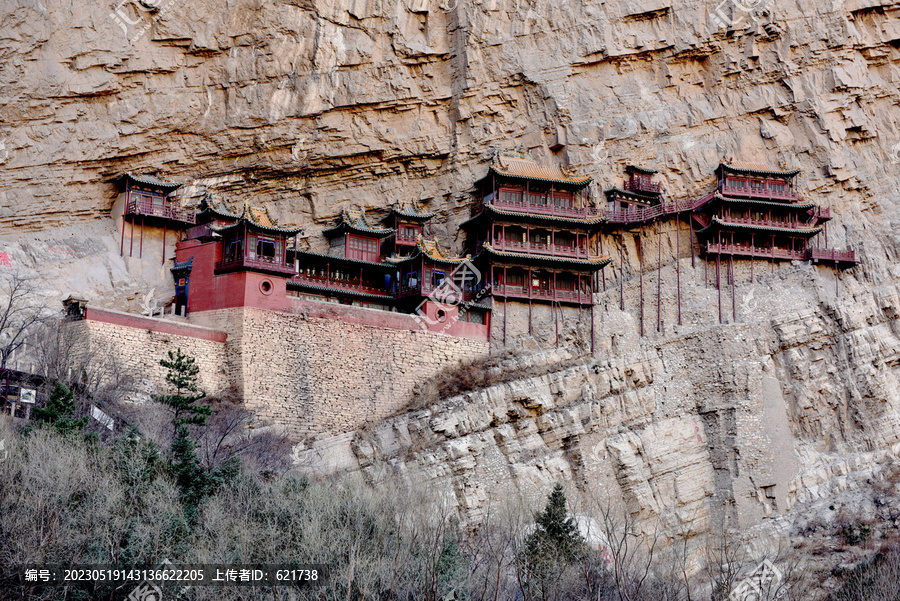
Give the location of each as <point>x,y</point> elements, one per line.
<point>504,316</point>
<point>530,331</point>
<point>678,263</point>
<point>622,272</point>
<point>593,343</point>
<point>131,240</point>
<point>602,272</point>
<point>122,241</point>
<point>733,289</point>
<point>141,249</point>
<point>719,285</point>
<point>640,252</point>
<point>659,278</point>
<point>165,231</point>
<point>752,247</point>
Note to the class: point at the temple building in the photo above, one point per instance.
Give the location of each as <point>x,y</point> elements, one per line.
<point>756,212</point>
<point>151,204</point>
<point>639,191</point>
<point>535,233</point>
<point>408,223</point>
<point>234,258</point>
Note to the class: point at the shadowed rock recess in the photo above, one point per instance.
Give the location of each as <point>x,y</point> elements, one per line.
<point>316,106</point>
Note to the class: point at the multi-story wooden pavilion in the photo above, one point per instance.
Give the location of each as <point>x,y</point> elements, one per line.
<point>150,202</point>
<point>639,191</point>
<point>756,213</point>
<point>408,223</point>
<point>536,233</point>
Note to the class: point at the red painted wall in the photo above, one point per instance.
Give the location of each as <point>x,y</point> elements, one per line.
<point>208,290</point>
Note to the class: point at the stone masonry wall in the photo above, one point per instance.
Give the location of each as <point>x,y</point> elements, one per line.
<point>308,374</point>
<point>138,350</point>
<point>320,375</point>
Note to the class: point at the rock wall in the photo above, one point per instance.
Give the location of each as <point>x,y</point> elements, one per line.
<point>321,105</point>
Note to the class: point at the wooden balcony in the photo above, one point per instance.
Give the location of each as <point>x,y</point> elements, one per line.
<point>832,255</point>
<point>551,250</point>
<point>761,193</point>
<point>441,294</point>
<point>257,264</point>
<point>661,210</point>
<point>757,252</point>
<point>166,210</point>
<point>341,285</point>
<point>791,225</point>
<point>406,239</point>
<point>547,209</point>
<point>542,294</point>
<point>643,186</point>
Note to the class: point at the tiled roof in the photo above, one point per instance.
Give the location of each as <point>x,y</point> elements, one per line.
<point>489,208</point>
<point>526,167</point>
<point>149,180</point>
<point>357,221</point>
<point>630,168</point>
<point>593,262</point>
<point>339,260</point>
<point>409,209</point>
<point>770,203</point>
<point>757,168</point>
<point>258,216</point>
<point>647,197</point>
<point>797,231</point>
<point>386,298</point>
<point>431,250</point>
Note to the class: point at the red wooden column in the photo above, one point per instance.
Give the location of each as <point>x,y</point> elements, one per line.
<point>122,242</point>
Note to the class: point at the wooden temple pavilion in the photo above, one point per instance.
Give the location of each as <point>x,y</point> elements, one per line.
<point>153,202</point>
<point>535,233</point>
<point>352,271</point>
<point>408,223</point>
<point>756,212</point>
<point>639,191</point>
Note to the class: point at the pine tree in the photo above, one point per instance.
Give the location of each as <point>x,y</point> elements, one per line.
<point>554,544</point>
<point>59,411</point>
<point>194,481</point>
<point>182,376</point>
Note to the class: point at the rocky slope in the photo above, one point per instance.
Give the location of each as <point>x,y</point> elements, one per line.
<point>319,105</point>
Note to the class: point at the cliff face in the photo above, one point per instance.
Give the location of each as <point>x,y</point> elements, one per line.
<point>315,106</point>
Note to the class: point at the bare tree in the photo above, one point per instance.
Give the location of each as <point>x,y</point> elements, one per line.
<point>21,311</point>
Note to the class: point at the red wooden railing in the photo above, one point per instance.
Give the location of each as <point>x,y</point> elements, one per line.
<point>832,254</point>
<point>257,263</point>
<point>166,210</point>
<point>341,285</point>
<point>762,193</point>
<point>445,294</point>
<point>541,293</point>
<point>642,186</point>
<point>407,239</point>
<point>553,250</point>
<point>546,209</point>
<point>755,251</point>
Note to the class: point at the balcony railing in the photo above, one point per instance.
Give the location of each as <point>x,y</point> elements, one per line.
<point>165,210</point>
<point>338,285</point>
<point>832,255</point>
<point>791,225</point>
<point>447,294</point>
<point>642,186</point>
<point>821,213</point>
<point>576,296</point>
<point>747,250</point>
<point>553,250</point>
<point>261,263</point>
<point>407,238</point>
<point>763,193</point>
<point>547,209</point>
